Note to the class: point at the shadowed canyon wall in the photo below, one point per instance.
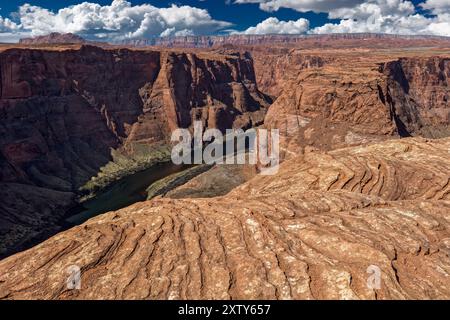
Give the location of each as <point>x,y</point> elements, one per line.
<point>420,95</point>
<point>63,111</point>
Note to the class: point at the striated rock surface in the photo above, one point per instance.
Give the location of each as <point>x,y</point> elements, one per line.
<point>62,111</point>
<point>217,181</point>
<point>310,232</point>
<point>278,65</point>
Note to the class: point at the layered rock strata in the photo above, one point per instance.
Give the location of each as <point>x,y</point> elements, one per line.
<point>375,97</point>
<point>64,110</point>
<point>317,230</point>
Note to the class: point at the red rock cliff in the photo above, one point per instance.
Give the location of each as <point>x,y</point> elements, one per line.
<point>356,97</point>
<point>61,112</point>
<point>420,94</point>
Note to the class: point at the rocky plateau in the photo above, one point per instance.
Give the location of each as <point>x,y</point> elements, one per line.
<point>364,181</point>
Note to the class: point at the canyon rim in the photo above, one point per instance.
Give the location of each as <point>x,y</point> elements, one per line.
<point>96,205</point>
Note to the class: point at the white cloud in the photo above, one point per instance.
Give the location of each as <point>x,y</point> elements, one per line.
<point>6,25</point>
<point>372,8</point>
<point>275,26</point>
<point>377,16</point>
<point>437,6</point>
<point>386,16</point>
<point>8,30</point>
<point>118,21</point>
<point>303,5</point>
<point>415,24</point>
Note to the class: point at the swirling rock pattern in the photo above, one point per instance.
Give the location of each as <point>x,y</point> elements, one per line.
<point>310,232</point>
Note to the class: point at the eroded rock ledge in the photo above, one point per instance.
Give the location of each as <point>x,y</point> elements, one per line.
<point>309,232</point>
<point>341,98</point>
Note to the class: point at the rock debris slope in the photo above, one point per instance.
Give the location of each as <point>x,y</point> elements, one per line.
<point>309,232</point>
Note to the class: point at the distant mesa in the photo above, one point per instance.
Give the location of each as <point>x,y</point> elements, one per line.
<point>350,40</point>
<point>54,38</point>
<point>353,40</point>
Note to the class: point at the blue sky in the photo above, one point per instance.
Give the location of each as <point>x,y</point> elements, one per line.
<point>99,19</point>
<point>243,15</point>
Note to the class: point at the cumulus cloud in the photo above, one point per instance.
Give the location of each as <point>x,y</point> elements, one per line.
<point>6,25</point>
<point>369,9</point>
<point>8,30</point>
<point>436,6</point>
<point>377,16</point>
<point>388,16</point>
<point>117,21</point>
<point>303,5</point>
<point>275,26</point>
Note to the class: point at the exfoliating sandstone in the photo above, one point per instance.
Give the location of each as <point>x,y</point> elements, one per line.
<point>313,231</point>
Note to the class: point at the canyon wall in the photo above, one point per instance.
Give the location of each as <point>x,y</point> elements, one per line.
<point>276,66</point>
<point>343,200</point>
<point>419,90</point>
<point>63,111</point>
<point>349,99</point>
<point>219,90</point>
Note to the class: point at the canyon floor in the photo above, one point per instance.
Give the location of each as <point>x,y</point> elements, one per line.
<point>364,182</point>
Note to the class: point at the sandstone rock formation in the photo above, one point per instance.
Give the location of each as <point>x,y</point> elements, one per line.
<point>54,38</point>
<point>312,231</point>
<point>63,110</point>
<point>420,94</point>
<point>354,40</point>
<point>351,195</point>
<point>217,181</point>
<point>277,65</point>
<point>334,103</point>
